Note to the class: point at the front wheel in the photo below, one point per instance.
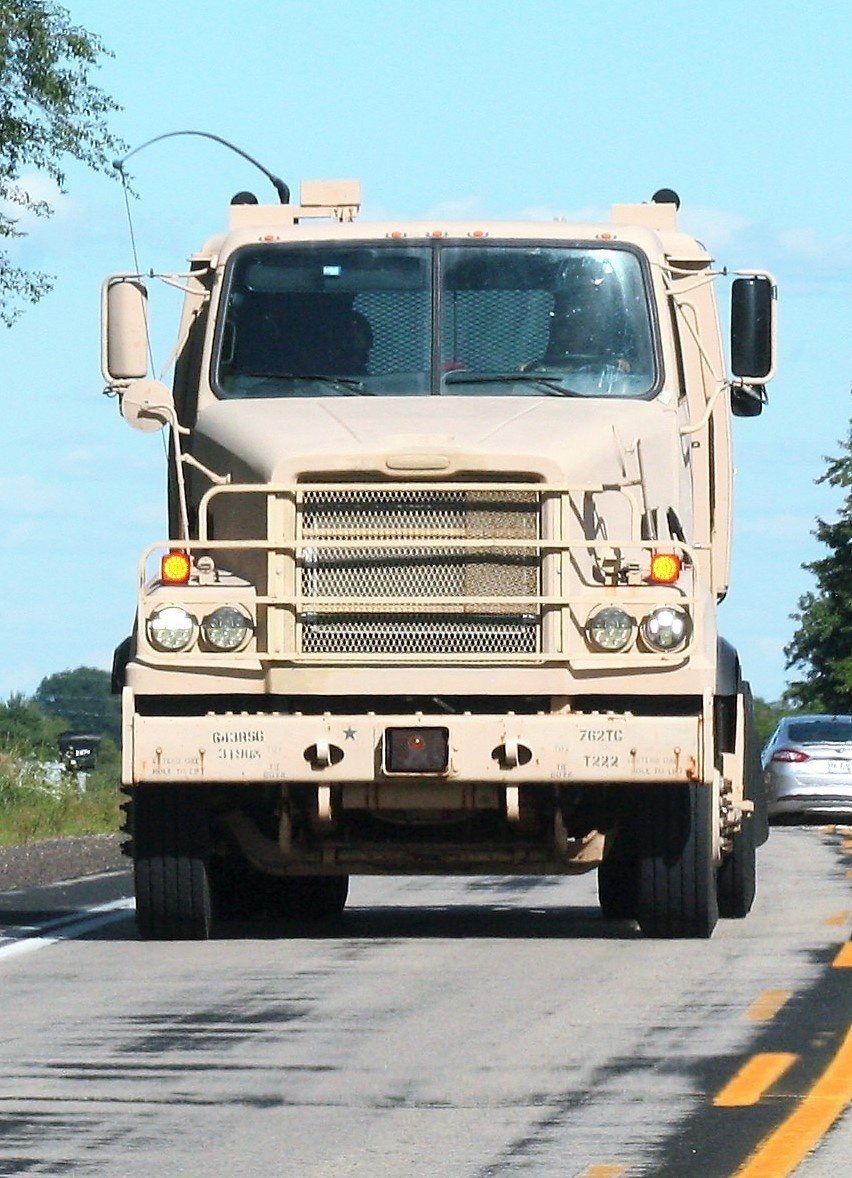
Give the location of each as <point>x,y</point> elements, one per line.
<point>171,864</point>
<point>677,875</point>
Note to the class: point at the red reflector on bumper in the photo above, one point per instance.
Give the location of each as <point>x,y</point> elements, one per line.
<point>417,750</point>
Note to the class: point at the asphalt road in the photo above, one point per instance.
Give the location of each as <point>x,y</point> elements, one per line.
<point>441,1028</point>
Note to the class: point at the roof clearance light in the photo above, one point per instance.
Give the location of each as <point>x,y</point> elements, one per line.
<point>175,567</point>
<point>665,567</point>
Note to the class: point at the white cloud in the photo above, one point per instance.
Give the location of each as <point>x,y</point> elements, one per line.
<point>20,533</point>
<point>716,228</point>
<point>19,490</point>
<point>806,245</point>
<point>456,210</point>
<point>775,527</point>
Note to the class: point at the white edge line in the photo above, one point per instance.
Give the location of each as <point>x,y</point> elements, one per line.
<point>66,928</point>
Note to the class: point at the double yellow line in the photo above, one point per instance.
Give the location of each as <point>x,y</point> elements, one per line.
<point>788,1145</point>
<point>793,1140</point>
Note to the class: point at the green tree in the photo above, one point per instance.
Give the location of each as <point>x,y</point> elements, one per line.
<point>766,717</point>
<point>83,699</point>
<point>50,112</point>
<point>822,643</point>
<point>26,731</point>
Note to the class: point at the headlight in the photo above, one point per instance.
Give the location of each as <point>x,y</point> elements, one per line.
<point>667,628</point>
<point>610,628</point>
<point>227,628</point>
<point>171,628</point>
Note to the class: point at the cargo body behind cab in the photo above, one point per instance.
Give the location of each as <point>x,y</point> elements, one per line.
<point>450,513</point>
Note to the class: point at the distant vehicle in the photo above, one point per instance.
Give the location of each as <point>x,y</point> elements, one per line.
<point>807,765</point>
<point>79,751</point>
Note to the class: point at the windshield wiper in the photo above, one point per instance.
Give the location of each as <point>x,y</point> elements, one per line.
<point>347,384</point>
<point>553,387</point>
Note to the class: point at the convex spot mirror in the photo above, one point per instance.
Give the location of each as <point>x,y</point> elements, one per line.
<point>147,405</point>
<point>124,329</point>
<point>753,327</point>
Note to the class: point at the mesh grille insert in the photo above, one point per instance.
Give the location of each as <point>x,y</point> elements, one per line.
<point>404,598</point>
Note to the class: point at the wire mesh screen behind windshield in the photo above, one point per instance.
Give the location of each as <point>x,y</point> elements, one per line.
<point>325,320</point>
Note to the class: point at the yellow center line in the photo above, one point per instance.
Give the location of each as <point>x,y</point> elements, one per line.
<point>753,1079</point>
<point>605,1171</point>
<point>843,960</point>
<point>838,918</point>
<point>792,1141</point>
<point>767,1005</point>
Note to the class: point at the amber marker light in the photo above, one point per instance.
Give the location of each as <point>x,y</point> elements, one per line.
<point>665,568</point>
<point>175,567</point>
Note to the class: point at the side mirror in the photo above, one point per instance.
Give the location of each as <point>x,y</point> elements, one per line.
<point>124,329</point>
<point>147,405</point>
<point>753,328</point>
<point>747,400</point>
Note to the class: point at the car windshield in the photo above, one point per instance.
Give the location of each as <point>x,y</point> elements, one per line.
<point>821,731</point>
<point>378,319</point>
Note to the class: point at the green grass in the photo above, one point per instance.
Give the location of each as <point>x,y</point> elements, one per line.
<point>33,806</point>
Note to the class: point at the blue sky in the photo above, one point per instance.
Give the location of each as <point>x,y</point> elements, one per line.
<point>487,107</point>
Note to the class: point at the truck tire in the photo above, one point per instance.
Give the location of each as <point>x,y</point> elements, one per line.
<point>171,864</point>
<point>737,875</point>
<point>736,878</point>
<point>677,876</point>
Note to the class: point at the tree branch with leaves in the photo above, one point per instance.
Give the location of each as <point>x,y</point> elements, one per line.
<point>50,112</point>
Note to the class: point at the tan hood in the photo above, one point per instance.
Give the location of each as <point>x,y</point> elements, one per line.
<point>557,439</point>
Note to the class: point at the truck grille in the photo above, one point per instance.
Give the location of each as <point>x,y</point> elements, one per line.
<point>419,572</point>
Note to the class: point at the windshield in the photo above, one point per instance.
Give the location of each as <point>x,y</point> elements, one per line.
<point>372,319</point>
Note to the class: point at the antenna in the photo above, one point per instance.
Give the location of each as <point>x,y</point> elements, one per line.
<point>279,185</point>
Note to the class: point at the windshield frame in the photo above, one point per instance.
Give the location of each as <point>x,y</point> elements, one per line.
<point>438,380</point>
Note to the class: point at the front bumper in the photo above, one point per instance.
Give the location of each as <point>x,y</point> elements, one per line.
<point>327,749</point>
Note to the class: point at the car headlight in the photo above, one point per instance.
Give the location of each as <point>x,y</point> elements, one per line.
<point>171,627</point>
<point>610,628</point>
<point>227,628</point>
<point>667,628</point>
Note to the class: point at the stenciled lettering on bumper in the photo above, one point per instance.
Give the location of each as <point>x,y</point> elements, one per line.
<point>348,748</point>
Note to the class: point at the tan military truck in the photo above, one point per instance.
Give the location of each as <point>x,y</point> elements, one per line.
<point>450,520</point>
